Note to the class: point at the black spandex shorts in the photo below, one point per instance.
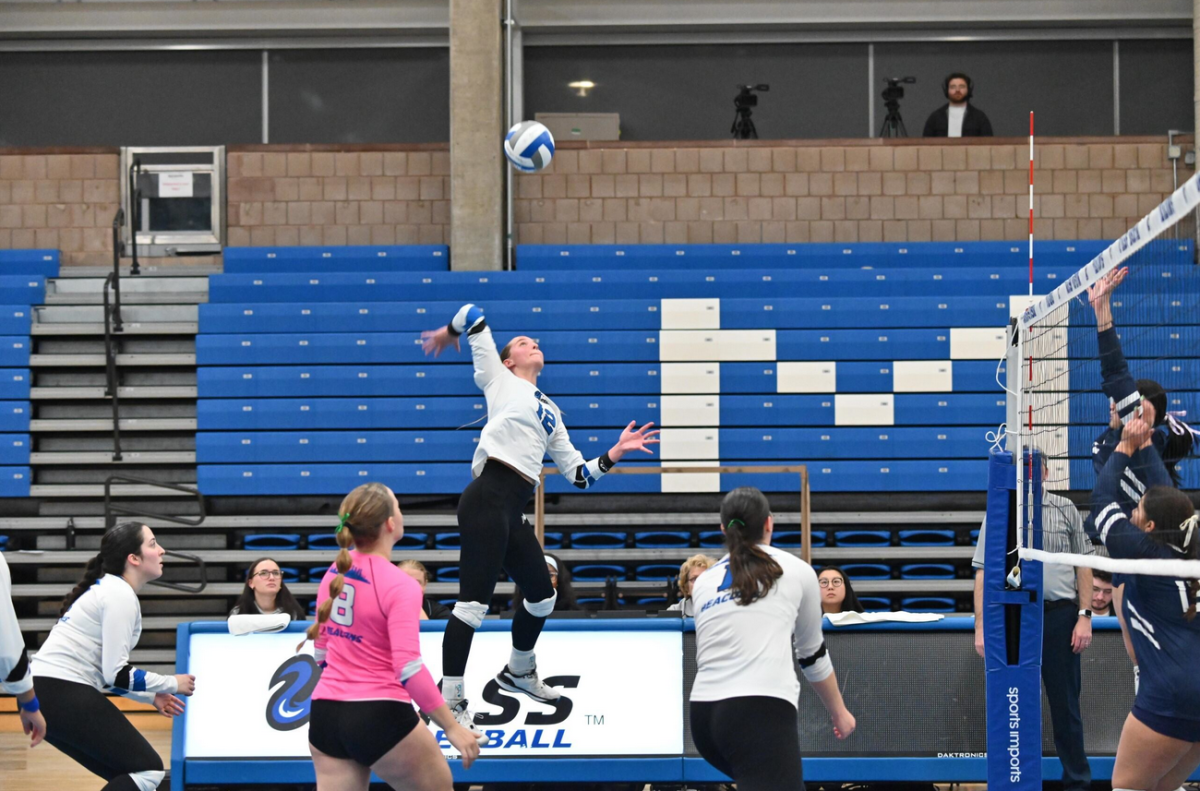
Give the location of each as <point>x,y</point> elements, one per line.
<point>754,740</point>
<point>360,730</point>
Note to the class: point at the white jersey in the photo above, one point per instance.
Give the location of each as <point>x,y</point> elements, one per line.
<point>748,651</point>
<point>15,677</point>
<point>523,424</point>
<point>91,643</point>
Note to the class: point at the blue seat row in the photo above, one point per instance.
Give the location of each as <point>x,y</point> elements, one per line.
<point>625,314</point>
<point>437,478</point>
<point>364,287</point>
<point>411,258</point>
<point>15,319</point>
<point>14,416</point>
<point>14,384</point>
<point>14,449</point>
<point>910,409</point>
<point>778,444</point>
<point>558,379</point>
<point>15,481</point>
<point>29,262</point>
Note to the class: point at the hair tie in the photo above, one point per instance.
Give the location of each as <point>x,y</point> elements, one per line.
<point>731,521</point>
<point>343,520</point>
<point>1189,529</point>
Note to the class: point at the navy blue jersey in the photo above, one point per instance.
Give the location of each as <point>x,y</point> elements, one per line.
<point>1165,642</point>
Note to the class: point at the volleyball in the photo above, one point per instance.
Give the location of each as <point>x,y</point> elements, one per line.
<point>529,146</point>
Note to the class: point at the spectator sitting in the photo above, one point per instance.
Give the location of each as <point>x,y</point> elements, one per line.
<point>431,609</point>
<point>560,578</point>
<point>837,595</point>
<point>958,118</point>
<point>1102,593</point>
<point>266,604</point>
<point>689,572</point>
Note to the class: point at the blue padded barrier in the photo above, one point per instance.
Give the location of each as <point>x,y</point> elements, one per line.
<point>15,384</point>
<point>867,571</point>
<point>948,442</point>
<point>14,351</point>
<point>14,416</point>
<point>272,541</point>
<point>863,538</point>
<point>598,540</point>
<point>15,319</point>
<point>656,571</point>
<point>29,262</point>
<point>423,257</point>
<point>875,603</point>
<point>927,604</point>
<point>926,538</point>
<point>412,541</point>
<point>927,571</point>
<point>15,481</point>
<point>662,539</point>
<point>598,571</point>
<point>324,542</point>
<point>447,540</point>
<point>14,449</point>
<point>22,289</point>
<point>332,446</point>
<point>495,287</point>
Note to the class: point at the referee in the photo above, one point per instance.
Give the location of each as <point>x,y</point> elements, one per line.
<point>1066,628</point>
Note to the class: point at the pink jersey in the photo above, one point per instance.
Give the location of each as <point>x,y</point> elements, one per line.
<point>371,643</point>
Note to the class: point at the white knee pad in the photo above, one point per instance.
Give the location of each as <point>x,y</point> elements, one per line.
<point>147,781</point>
<point>541,608</point>
<point>470,612</point>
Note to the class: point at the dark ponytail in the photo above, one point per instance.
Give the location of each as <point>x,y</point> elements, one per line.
<point>744,514</point>
<point>117,544</point>
<point>362,514</point>
<point>1177,526</point>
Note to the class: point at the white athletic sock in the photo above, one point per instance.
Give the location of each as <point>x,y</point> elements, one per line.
<point>521,662</point>
<point>453,689</point>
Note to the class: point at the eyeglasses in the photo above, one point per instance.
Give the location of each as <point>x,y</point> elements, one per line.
<point>836,582</point>
<point>267,574</point>
<point>553,575</point>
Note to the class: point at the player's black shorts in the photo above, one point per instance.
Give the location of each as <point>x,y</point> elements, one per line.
<point>1171,727</point>
<point>360,730</point>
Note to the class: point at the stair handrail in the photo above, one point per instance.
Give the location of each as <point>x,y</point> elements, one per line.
<point>112,510</point>
<point>135,212</point>
<point>112,383</point>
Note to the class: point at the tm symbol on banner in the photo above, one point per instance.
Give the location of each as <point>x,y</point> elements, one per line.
<point>593,719</point>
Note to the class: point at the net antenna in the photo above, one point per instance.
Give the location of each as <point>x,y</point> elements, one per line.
<point>1055,402</point>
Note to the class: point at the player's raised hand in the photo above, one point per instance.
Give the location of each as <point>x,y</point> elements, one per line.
<point>1103,288</point>
<point>437,340</point>
<point>634,439</point>
<point>1137,433</point>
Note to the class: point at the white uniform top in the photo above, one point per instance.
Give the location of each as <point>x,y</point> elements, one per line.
<point>15,677</point>
<point>91,643</point>
<point>523,424</point>
<point>747,651</point>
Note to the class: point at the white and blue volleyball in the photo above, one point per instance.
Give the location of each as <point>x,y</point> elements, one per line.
<point>529,146</point>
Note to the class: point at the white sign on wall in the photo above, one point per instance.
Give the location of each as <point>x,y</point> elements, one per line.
<point>622,695</point>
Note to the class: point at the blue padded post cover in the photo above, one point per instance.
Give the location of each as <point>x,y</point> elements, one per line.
<point>1012,629</point>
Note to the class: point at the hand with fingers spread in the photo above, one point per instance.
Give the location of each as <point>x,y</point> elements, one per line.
<point>1100,295</point>
<point>632,439</point>
<point>168,705</point>
<point>437,340</point>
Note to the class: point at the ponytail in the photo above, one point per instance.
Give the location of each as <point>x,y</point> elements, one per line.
<point>744,515</point>
<point>362,515</point>
<point>117,544</point>
<point>1191,550</point>
<point>1165,505</point>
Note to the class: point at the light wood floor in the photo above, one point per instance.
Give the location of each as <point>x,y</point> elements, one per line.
<point>46,769</point>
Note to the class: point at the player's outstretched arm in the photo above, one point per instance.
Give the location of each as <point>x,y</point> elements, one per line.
<point>1100,295</point>
<point>469,320</point>
<point>584,474</point>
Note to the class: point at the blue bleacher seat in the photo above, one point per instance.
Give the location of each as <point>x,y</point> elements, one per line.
<point>14,351</point>
<point>15,481</point>
<point>317,573</point>
<point>290,574</point>
<point>794,539</point>
<point>3,543</point>
<point>336,259</point>
<point>410,541</point>
<point>598,571</point>
<point>712,539</point>
<point>272,541</point>
<point>927,604</point>
<point>974,537</point>
<point>598,540</point>
<point>595,602</point>
<point>863,538</point>
<point>14,384</point>
<point>329,479</point>
<point>447,540</point>
<point>867,571</point>
<point>651,601</point>
<point>926,538</point>
<point>29,262</point>
<point>14,448</point>
<point>927,571</point>
<point>875,603</point>
<point>265,447</point>
<point>662,539</point>
<point>324,542</point>
<point>15,319</point>
<point>446,574</point>
<point>656,571</point>
<point>553,541</point>
<point>312,607</point>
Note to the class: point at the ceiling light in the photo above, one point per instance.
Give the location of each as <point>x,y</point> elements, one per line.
<point>582,86</point>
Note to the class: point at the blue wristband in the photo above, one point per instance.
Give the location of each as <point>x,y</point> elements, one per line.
<point>32,706</point>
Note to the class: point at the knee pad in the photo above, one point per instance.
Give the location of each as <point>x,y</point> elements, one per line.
<point>470,612</point>
<point>149,780</point>
<point>541,608</point>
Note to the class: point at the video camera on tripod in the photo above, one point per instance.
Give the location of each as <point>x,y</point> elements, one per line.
<point>893,124</point>
<point>743,127</point>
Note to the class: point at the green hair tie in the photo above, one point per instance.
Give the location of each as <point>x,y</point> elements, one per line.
<point>731,521</point>
<point>342,520</point>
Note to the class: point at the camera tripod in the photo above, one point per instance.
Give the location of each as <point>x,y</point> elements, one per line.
<point>743,127</point>
<point>893,124</point>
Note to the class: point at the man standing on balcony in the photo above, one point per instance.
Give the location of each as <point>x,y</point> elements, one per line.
<point>958,118</point>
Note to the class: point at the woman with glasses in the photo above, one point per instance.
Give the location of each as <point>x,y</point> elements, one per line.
<point>837,595</point>
<point>263,600</point>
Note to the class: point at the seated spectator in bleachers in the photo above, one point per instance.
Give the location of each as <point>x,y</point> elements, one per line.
<point>691,569</point>
<point>266,604</point>
<point>837,595</point>
<point>431,608</point>
<point>1102,593</point>
<point>560,578</point>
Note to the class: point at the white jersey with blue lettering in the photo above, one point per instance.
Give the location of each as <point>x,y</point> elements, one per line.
<point>523,424</point>
<point>91,643</point>
<point>15,678</point>
<point>748,651</point>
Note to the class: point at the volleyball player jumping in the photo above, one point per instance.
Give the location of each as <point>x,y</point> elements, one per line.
<point>367,634</point>
<point>1160,741</point>
<point>523,426</point>
<point>748,608</point>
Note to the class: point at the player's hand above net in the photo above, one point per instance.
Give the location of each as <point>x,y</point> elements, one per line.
<point>437,340</point>
<point>1103,288</point>
<point>1135,436</point>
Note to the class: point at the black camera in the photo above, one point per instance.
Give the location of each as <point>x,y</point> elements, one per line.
<point>746,97</point>
<point>893,92</point>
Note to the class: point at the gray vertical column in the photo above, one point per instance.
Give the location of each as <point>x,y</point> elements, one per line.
<point>476,98</point>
